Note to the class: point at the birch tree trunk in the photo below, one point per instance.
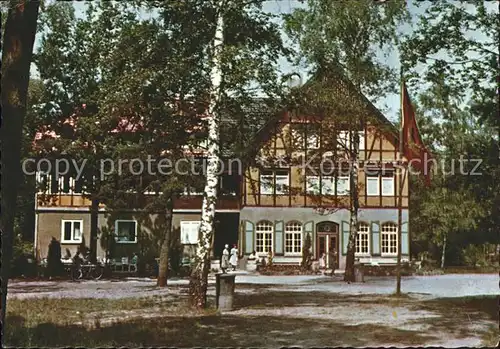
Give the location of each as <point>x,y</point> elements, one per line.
<point>163,263</point>
<point>199,276</point>
<point>17,50</point>
<point>353,228</point>
<point>444,252</point>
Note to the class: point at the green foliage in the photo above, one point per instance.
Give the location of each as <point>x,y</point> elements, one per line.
<point>349,33</point>
<point>452,57</point>
<point>480,255</point>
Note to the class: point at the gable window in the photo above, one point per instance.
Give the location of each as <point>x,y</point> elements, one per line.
<point>281,182</point>
<point>327,185</point>
<point>362,240</point>
<point>372,184</point>
<point>277,180</point>
<point>312,185</point>
<point>342,185</point>
<point>375,179</point>
<point>264,236</point>
<point>389,235</point>
<point>344,140</point>
<point>266,182</point>
<point>388,184</point>
<point>126,231</point>
<point>293,238</point>
<point>189,232</point>
<point>71,231</point>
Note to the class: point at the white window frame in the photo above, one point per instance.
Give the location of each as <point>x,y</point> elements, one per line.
<point>267,182</point>
<point>264,252</point>
<point>391,235</point>
<point>190,224</point>
<point>275,187</point>
<point>373,178</point>
<point>282,188</point>
<point>362,140</point>
<point>290,232</point>
<point>325,180</point>
<point>312,188</point>
<point>363,230</point>
<point>72,221</point>
<point>116,231</point>
<point>348,188</point>
<point>391,180</point>
<point>344,140</point>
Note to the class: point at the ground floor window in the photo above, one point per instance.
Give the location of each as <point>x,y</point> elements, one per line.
<point>189,232</point>
<point>293,238</point>
<point>389,239</point>
<point>126,231</point>
<point>71,231</point>
<point>264,237</point>
<point>363,239</point>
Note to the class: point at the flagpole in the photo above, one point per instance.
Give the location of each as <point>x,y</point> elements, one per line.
<point>400,196</point>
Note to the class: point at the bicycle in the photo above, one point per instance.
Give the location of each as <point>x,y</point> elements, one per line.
<point>86,270</point>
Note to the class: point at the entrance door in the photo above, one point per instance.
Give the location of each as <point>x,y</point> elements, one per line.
<point>327,244</point>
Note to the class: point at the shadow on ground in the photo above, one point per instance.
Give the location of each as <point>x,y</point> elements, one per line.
<point>212,330</point>
<point>179,329</point>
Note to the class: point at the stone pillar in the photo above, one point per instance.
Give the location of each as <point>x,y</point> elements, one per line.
<point>224,291</point>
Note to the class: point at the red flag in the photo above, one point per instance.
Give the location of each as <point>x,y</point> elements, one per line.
<point>411,145</point>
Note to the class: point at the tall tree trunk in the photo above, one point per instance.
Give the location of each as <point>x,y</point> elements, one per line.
<point>94,228</point>
<point>19,36</point>
<point>199,276</point>
<point>165,246</point>
<point>353,229</point>
<point>444,252</point>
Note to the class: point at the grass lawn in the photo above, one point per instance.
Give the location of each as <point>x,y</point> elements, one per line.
<point>263,318</point>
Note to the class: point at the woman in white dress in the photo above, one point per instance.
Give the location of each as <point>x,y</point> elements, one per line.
<point>234,257</point>
<point>224,263</point>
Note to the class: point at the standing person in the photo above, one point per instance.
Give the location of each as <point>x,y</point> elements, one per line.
<point>54,264</point>
<point>224,263</point>
<point>234,257</point>
<point>322,261</point>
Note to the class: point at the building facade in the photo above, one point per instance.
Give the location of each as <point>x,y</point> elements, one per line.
<point>294,186</point>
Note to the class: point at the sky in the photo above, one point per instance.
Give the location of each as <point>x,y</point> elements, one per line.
<point>390,105</point>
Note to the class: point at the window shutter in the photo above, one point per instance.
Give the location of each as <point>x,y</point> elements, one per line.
<point>249,237</point>
<point>309,229</point>
<point>241,237</point>
<point>278,237</point>
<point>345,236</point>
<point>375,238</point>
<point>405,245</point>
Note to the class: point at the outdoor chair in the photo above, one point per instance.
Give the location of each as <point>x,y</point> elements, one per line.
<point>125,264</point>
<point>116,263</point>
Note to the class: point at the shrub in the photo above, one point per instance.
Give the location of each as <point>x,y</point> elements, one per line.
<point>474,256</point>
<point>307,253</point>
<point>22,252</point>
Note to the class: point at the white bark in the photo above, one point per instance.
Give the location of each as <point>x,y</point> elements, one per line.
<point>443,252</point>
<point>212,178</point>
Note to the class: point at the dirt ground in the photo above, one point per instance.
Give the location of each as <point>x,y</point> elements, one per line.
<point>269,312</point>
